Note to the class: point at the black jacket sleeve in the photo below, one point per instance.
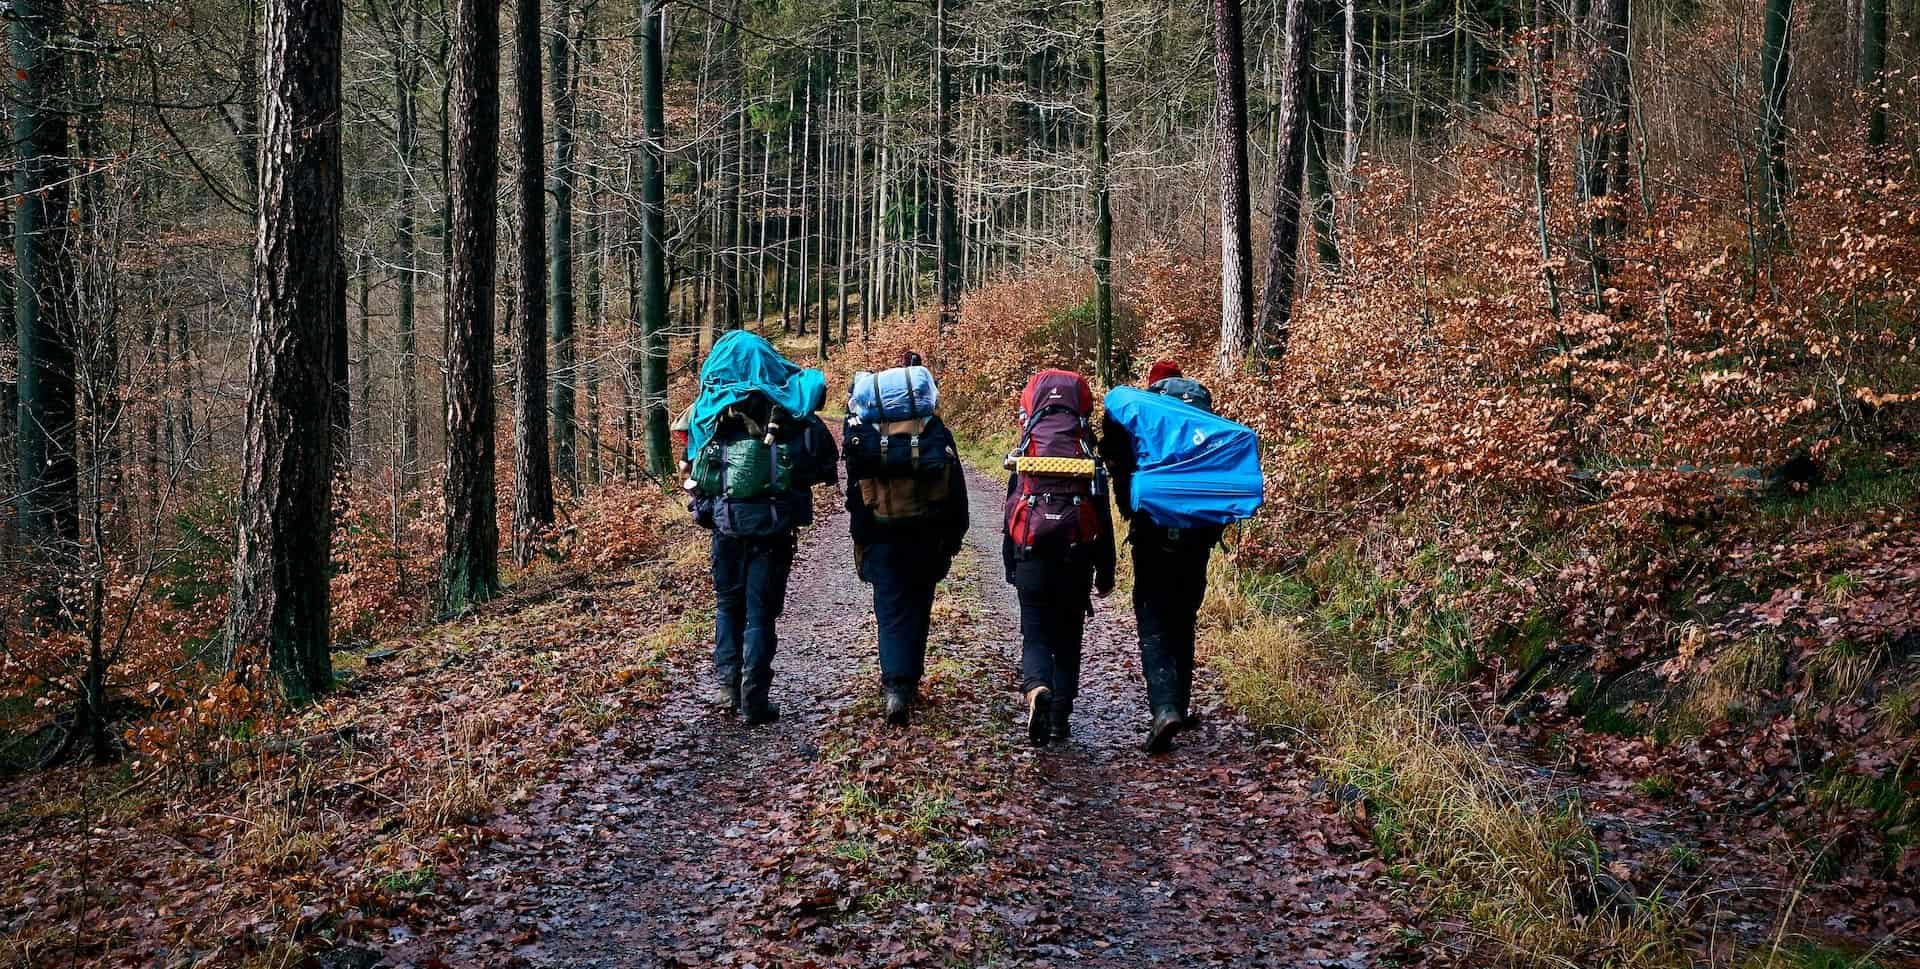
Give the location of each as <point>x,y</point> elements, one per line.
<point>960,510</point>
<point>1116,451</point>
<point>1007,556</point>
<point>819,455</point>
<point>1103,554</point>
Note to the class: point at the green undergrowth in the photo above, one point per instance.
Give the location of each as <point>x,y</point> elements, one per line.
<point>1302,654</point>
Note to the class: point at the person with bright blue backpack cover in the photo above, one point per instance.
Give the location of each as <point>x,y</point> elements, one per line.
<point>756,449</point>
<point>1180,475</point>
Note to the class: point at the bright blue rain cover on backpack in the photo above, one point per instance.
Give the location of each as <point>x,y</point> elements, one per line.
<point>1194,468</point>
<point>740,364</point>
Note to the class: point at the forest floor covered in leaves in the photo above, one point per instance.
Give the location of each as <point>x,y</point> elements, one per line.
<point>687,838</point>
<point>540,784</point>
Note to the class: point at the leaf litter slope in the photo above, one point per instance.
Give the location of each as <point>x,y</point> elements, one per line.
<point>829,840</point>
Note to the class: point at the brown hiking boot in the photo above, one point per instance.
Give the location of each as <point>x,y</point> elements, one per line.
<point>1039,714</point>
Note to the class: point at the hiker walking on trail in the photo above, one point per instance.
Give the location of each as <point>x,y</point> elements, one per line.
<point>755,449</point>
<point>1058,541</point>
<point>907,509</point>
<point>1192,470</point>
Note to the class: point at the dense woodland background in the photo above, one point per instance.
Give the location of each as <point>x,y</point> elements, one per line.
<point>1581,334</point>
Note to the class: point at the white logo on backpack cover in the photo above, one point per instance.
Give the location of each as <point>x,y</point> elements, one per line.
<point>1199,438</point>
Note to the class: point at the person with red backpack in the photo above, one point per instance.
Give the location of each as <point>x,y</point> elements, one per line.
<point>1058,542</point>
<point>1168,604</point>
<point>907,510</point>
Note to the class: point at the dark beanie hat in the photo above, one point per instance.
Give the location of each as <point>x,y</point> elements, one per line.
<point>910,359</point>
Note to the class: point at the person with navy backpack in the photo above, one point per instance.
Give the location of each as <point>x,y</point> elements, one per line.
<point>756,449</point>
<point>907,510</point>
<point>1179,475</point>
<point>1057,543</point>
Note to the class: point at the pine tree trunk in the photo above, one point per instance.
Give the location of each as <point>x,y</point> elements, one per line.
<point>280,605</point>
<point>471,568</point>
<point>1776,73</point>
<point>44,299</point>
<point>806,192</point>
<point>1102,204</point>
<point>1319,180</point>
<point>1230,142</point>
<point>560,304</point>
<point>364,379</point>
<point>948,264</point>
<point>1283,241</point>
<point>1873,68</point>
<point>406,75</point>
<point>533,464</point>
<point>653,255</point>
<point>1605,104</point>
<point>9,388</point>
<point>1350,100</point>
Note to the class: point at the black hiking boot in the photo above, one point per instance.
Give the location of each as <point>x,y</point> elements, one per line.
<point>1166,723</point>
<point>1062,727</point>
<point>763,714</point>
<point>899,708</point>
<point>1039,714</point>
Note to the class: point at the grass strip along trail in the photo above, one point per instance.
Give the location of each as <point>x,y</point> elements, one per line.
<point>828,839</point>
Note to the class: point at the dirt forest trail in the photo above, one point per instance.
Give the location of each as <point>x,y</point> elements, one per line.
<point>828,839</point>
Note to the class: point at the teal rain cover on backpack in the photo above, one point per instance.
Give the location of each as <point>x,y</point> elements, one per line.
<point>739,364</point>
<point>1194,468</point>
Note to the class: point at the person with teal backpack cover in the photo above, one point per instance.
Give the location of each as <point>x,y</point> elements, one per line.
<point>1181,474</point>
<point>755,449</point>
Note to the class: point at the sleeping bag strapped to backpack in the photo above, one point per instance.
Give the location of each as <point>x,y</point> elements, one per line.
<point>1193,469</point>
<point>899,394</point>
<point>902,456</point>
<point>747,469</point>
<point>1058,478</point>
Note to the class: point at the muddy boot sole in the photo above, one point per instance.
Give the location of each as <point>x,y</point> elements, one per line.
<point>899,711</point>
<point>1160,735</point>
<point>1039,715</point>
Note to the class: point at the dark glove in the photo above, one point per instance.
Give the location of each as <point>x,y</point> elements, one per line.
<point>1102,584</point>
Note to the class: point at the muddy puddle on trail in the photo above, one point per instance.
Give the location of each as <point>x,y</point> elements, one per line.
<point>689,839</point>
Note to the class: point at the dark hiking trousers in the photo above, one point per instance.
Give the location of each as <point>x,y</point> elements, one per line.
<point>1054,595</point>
<point>749,590</point>
<point>904,578</point>
<point>1169,583</point>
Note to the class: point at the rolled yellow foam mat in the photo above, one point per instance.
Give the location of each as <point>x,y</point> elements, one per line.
<point>1059,467</point>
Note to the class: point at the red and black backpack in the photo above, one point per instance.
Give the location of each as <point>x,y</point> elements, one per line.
<point>1057,473</point>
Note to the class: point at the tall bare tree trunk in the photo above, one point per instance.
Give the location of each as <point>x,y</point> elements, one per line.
<point>1236,230</point>
<point>1776,73</point>
<point>471,570</point>
<point>1873,69</point>
<point>561,314</point>
<point>948,265</point>
<point>533,467</point>
<point>653,221</point>
<point>406,77</point>
<point>44,300</point>
<point>280,597</point>
<point>1605,103</point>
<point>1102,204</point>
<point>1283,242</point>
